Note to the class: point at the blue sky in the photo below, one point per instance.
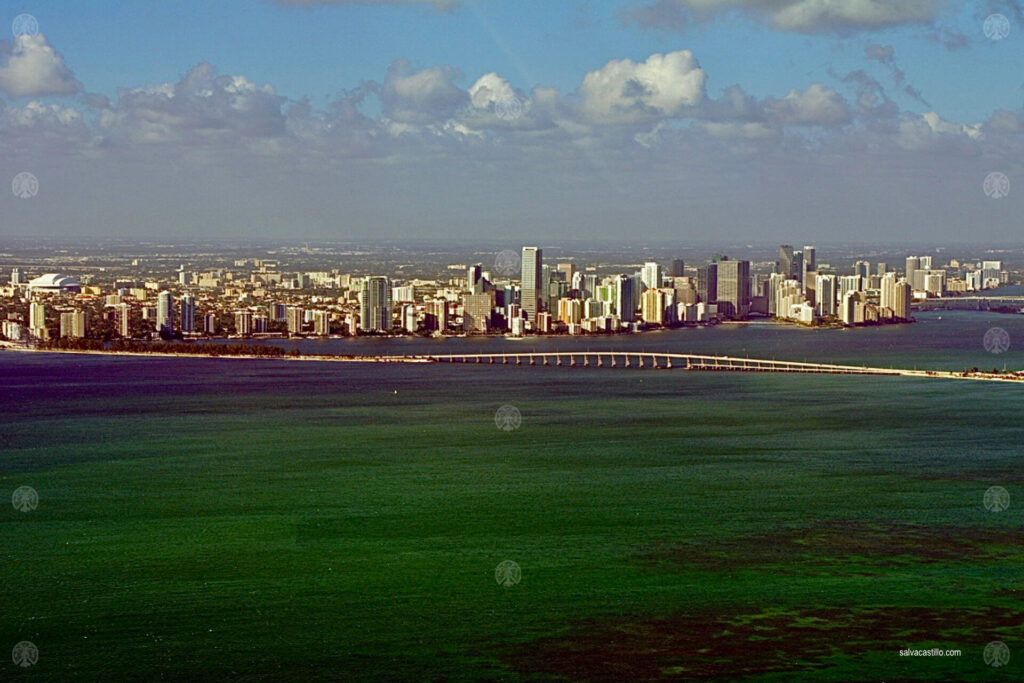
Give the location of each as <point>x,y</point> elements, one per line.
<point>839,96</point>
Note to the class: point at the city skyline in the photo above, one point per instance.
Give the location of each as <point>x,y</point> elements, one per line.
<point>420,120</point>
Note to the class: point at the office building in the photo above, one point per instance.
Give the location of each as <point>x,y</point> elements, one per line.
<point>474,281</point>
<point>476,312</point>
<point>707,282</point>
<point>532,288</point>
<point>678,268</point>
<point>733,296</point>
<point>784,265</point>
<point>810,259</point>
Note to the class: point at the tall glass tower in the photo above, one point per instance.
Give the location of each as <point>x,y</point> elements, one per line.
<point>532,284</point>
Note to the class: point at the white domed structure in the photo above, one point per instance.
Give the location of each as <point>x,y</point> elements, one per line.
<point>54,283</point>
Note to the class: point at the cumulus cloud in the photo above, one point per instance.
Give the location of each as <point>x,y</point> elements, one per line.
<point>624,91</point>
<point>803,16</point>
<point>410,97</point>
<point>203,106</point>
<point>929,131</point>
<point>30,67</point>
<point>815,106</point>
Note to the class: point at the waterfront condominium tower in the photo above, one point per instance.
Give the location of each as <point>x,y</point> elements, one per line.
<point>532,285</point>
<point>165,312</point>
<point>375,305</point>
<point>188,313</point>
<point>651,275</point>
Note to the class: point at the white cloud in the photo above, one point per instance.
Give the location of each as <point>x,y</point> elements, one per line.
<point>815,106</point>
<point>624,91</point>
<point>929,131</point>
<point>202,107</point>
<point>29,67</point>
<point>420,96</point>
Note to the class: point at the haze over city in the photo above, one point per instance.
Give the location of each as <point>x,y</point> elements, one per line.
<point>688,120</point>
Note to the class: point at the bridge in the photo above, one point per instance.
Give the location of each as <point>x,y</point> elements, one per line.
<point>671,361</point>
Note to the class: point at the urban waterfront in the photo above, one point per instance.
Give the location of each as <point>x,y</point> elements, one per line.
<point>251,516</point>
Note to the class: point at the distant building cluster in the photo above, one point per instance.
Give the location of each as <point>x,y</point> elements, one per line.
<point>256,298</point>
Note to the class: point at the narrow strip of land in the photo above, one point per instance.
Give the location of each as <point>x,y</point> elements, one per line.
<point>586,359</point>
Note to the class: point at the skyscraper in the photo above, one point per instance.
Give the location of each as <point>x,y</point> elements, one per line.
<point>124,320</point>
<point>904,295</point>
<point>678,268</point>
<point>296,317</point>
<point>624,306</point>
<point>651,275</point>
<point>375,304</point>
<point>188,313</point>
<point>810,260</point>
<point>887,293</point>
<point>733,288</point>
<point>532,285</point>
<point>825,293</point>
<point>785,263</point>
<point>707,283</point>
<point>165,313</point>
<point>474,279</point>
<point>913,265</point>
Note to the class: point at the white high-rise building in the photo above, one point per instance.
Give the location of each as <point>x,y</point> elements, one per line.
<point>188,313</point>
<point>165,312</point>
<point>825,293</point>
<point>37,318</point>
<point>651,275</point>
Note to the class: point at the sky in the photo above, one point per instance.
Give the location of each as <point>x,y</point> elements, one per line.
<point>511,121</point>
